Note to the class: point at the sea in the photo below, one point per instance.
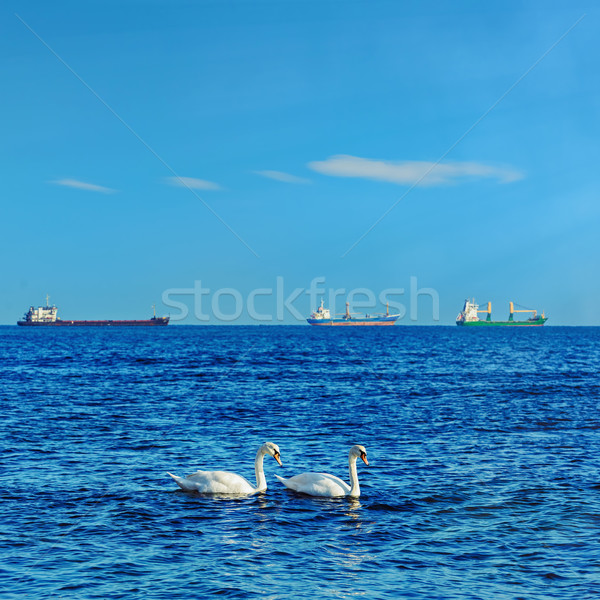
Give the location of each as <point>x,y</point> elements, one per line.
<point>483,446</point>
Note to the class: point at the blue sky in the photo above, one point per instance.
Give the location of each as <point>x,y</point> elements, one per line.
<point>294,127</point>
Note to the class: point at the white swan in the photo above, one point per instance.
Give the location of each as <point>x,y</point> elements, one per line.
<point>330,486</point>
<point>223,482</point>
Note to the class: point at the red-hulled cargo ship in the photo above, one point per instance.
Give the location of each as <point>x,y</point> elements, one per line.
<point>46,316</point>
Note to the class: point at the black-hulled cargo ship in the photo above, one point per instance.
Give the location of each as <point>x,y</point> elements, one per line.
<point>46,316</point>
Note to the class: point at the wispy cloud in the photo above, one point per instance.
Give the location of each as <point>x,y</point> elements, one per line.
<point>409,172</point>
<point>193,183</point>
<point>281,176</point>
<point>82,185</point>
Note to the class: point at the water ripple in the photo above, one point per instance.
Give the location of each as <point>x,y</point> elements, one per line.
<point>483,451</point>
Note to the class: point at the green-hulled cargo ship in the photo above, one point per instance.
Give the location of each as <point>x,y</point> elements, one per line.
<point>469,316</point>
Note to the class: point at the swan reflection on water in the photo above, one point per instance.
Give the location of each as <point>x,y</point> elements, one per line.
<point>353,511</point>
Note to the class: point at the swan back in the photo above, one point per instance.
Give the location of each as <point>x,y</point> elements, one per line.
<point>214,482</point>
<point>317,484</point>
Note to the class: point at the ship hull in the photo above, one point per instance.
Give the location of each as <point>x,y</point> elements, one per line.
<point>536,323</point>
<point>375,322</point>
<point>158,322</point>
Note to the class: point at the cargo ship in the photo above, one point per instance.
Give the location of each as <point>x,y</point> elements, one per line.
<point>322,316</point>
<point>469,316</point>
<point>46,316</point>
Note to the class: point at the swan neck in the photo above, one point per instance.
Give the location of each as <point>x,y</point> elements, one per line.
<point>261,481</point>
<point>354,486</point>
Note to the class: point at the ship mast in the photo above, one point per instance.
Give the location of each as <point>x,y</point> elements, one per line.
<point>524,310</point>
<point>488,310</point>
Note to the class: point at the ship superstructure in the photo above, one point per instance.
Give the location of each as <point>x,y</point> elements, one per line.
<point>42,314</point>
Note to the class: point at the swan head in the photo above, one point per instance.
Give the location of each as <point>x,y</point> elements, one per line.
<point>359,451</point>
<point>272,450</point>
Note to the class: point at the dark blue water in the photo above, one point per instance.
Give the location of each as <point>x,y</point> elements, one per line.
<point>484,447</point>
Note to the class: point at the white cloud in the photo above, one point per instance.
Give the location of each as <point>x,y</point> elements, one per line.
<point>281,176</point>
<point>408,172</point>
<point>82,185</point>
<point>192,182</point>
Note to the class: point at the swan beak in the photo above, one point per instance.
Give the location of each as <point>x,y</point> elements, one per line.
<point>364,457</point>
<point>276,457</point>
